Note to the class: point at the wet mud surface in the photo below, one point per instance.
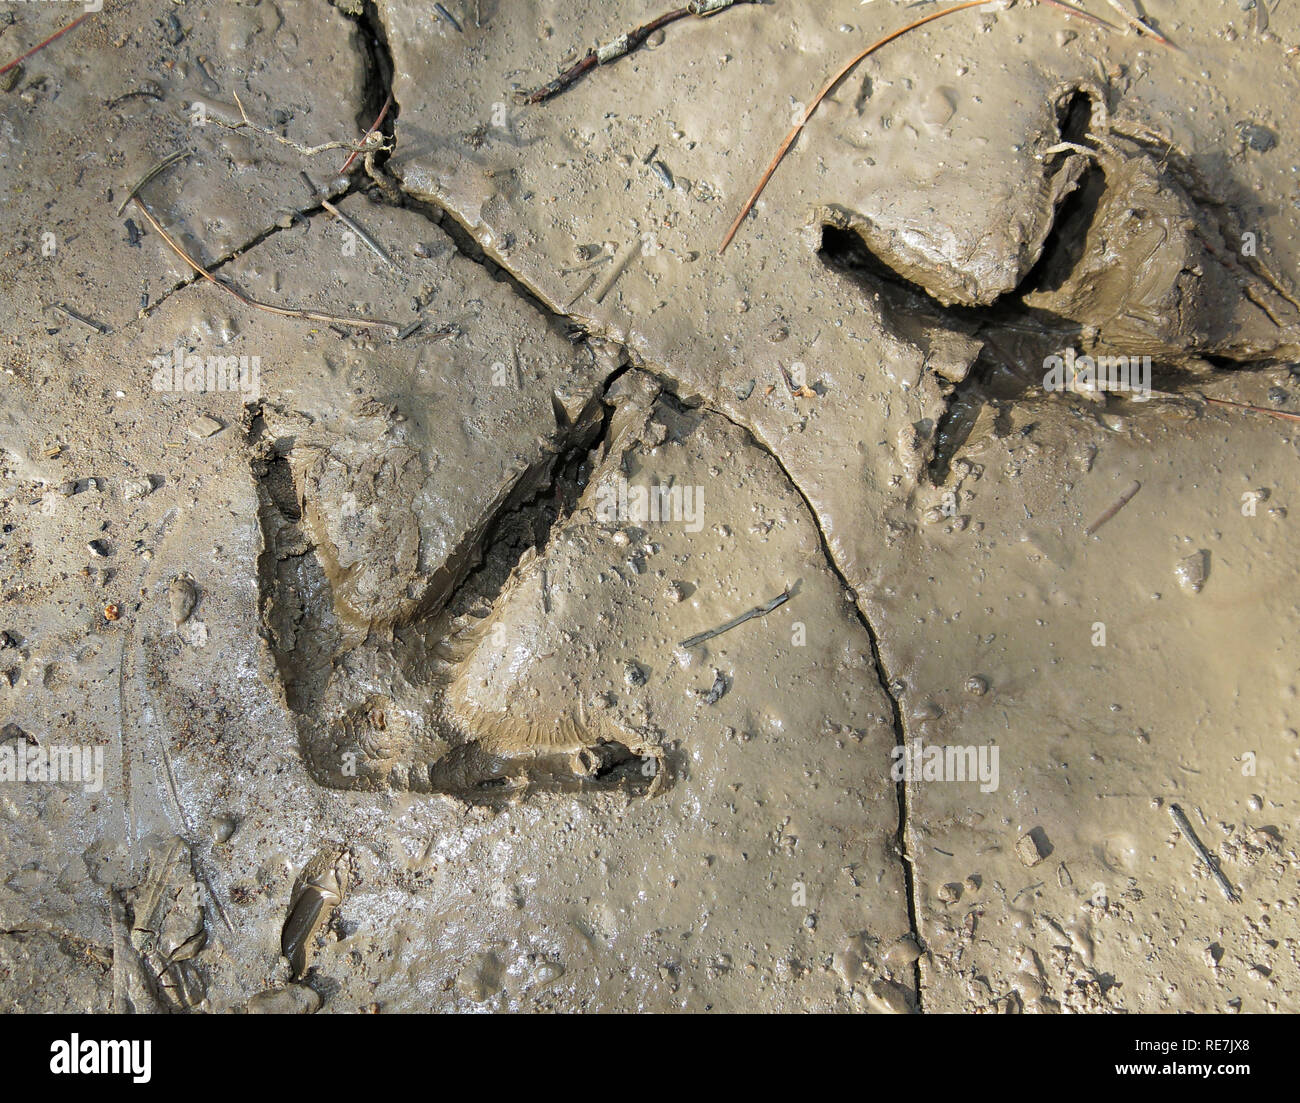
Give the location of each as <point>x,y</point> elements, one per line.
<point>539,610</point>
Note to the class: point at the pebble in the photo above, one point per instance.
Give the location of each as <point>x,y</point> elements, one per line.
<point>1256,137</point>
<point>220,828</point>
<point>949,893</point>
<point>205,427</point>
<point>136,488</point>
<point>1029,851</point>
<point>1191,571</point>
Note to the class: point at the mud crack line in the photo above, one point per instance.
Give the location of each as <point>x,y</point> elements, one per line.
<point>379,58</point>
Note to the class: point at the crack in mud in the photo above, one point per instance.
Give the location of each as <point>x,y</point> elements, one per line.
<point>381,69</point>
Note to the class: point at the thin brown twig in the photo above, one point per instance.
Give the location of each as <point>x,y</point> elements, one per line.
<point>825,91</point>
<point>624,45</point>
<point>592,58</point>
<point>366,138</point>
<point>1124,500</point>
<point>1285,415</point>
<point>843,72</point>
<point>41,45</point>
<point>256,304</point>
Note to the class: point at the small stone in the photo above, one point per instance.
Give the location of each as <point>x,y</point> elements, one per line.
<point>1033,847</point>
<point>483,979</point>
<point>1256,137</point>
<point>99,548</point>
<point>1191,571</point>
<point>13,731</point>
<point>949,893</point>
<point>136,488</point>
<point>221,828</point>
<point>715,693</point>
<point>548,972</point>
<point>977,685</point>
<point>205,427</point>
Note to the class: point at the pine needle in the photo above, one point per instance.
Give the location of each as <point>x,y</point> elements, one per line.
<point>826,90</point>
<point>282,311</point>
<point>41,45</point>
<point>1285,415</point>
<point>843,72</point>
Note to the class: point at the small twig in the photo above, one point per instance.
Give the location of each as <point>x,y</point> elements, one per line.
<point>1124,500</point>
<point>306,151</point>
<point>449,17</point>
<point>98,327</point>
<point>757,611</point>
<point>1141,27</point>
<point>629,254</point>
<point>370,242</point>
<point>166,162</point>
<point>626,44</point>
<point>365,141</point>
<point>41,45</point>
<point>1205,856</point>
<point>1285,415</point>
<point>1086,16</point>
<point>284,312</point>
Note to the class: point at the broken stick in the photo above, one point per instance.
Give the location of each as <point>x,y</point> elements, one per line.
<point>1185,827</point>
<point>757,611</point>
<point>625,44</point>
